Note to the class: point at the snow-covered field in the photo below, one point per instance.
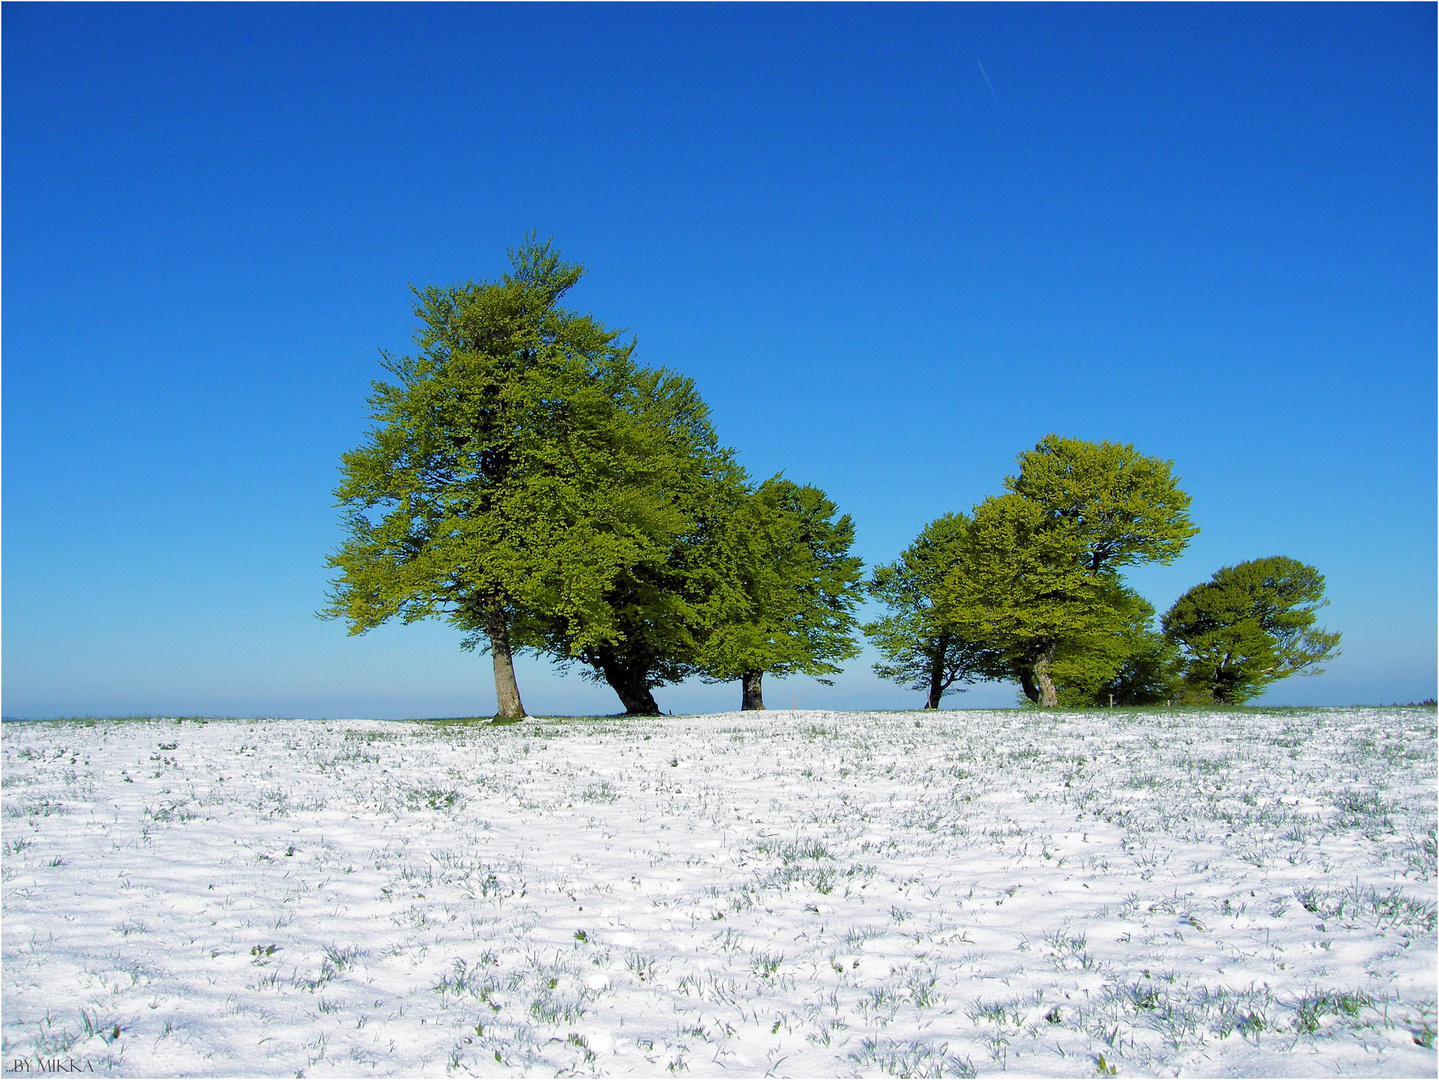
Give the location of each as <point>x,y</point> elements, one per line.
<point>813,895</point>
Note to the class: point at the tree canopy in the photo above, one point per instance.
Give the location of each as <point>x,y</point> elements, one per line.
<point>1249,626</point>
<point>650,622</point>
<point>1028,586</point>
<point>1022,587</point>
<point>501,487</point>
<point>1131,663</point>
<point>1105,507</point>
<point>1119,507</point>
<point>527,481</point>
<point>919,644</point>
<point>795,589</point>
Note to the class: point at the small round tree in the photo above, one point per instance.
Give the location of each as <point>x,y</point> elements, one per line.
<point>1249,626</point>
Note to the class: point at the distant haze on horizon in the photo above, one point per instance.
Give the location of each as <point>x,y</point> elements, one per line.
<point>894,246</point>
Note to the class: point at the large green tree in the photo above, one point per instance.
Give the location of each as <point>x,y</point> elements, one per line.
<point>1093,509</point>
<point>797,587</point>
<point>1028,587</point>
<point>496,488</point>
<point>650,622</point>
<point>1022,588</point>
<point>919,645</point>
<point>1120,507</point>
<point>1249,626</point>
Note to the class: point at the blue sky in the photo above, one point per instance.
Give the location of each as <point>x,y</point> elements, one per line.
<point>1206,231</point>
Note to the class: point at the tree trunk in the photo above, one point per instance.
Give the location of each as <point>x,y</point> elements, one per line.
<point>936,675</point>
<point>507,691</point>
<point>628,681</point>
<point>1048,693</point>
<point>1028,685</point>
<point>751,696</point>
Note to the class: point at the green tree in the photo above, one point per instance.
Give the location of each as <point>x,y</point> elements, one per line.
<point>1121,508</point>
<point>650,623</point>
<point>1149,674</point>
<point>1131,664</point>
<point>797,589</point>
<point>495,489</point>
<point>1249,626</point>
<point>1093,508</point>
<point>918,646</point>
<point>1021,588</point>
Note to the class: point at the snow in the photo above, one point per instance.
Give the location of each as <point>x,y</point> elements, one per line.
<point>810,894</point>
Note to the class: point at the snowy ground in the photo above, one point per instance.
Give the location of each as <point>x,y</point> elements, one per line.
<point>814,895</point>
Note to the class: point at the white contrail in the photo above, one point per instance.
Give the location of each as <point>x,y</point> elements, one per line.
<point>988,83</point>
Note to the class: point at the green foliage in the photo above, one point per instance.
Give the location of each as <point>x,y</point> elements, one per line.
<point>1249,626</point>
<point>1021,584</point>
<point>515,472</point>
<point>527,481</point>
<point>919,645</point>
<point>1131,664</point>
<point>456,502</point>
<point>1090,510</point>
<point>1149,674</point>
<point>1021,589</point>
<point>792,590</point>
<point>648,624</point>
<point>1121,508</point>
<point>1028,587</point>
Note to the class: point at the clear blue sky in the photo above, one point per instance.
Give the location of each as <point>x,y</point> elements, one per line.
<point>1208,231</point>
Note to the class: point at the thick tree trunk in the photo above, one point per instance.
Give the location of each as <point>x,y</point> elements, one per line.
<point>751,696</point>
<point>630,684</point>
<point>936,676</point>
<point>1048,692</point>
<point>1028,685</point>
<point>507,691</point>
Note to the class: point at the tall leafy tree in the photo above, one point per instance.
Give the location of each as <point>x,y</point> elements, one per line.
<point>797,587</point>
<point>1249,626</point>
<point>919,645</point>
<point>1021,588</point>
<point>1028,587</point>
<point>495,488</point>
<point>1092,509</point>
<point>650,622</point>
